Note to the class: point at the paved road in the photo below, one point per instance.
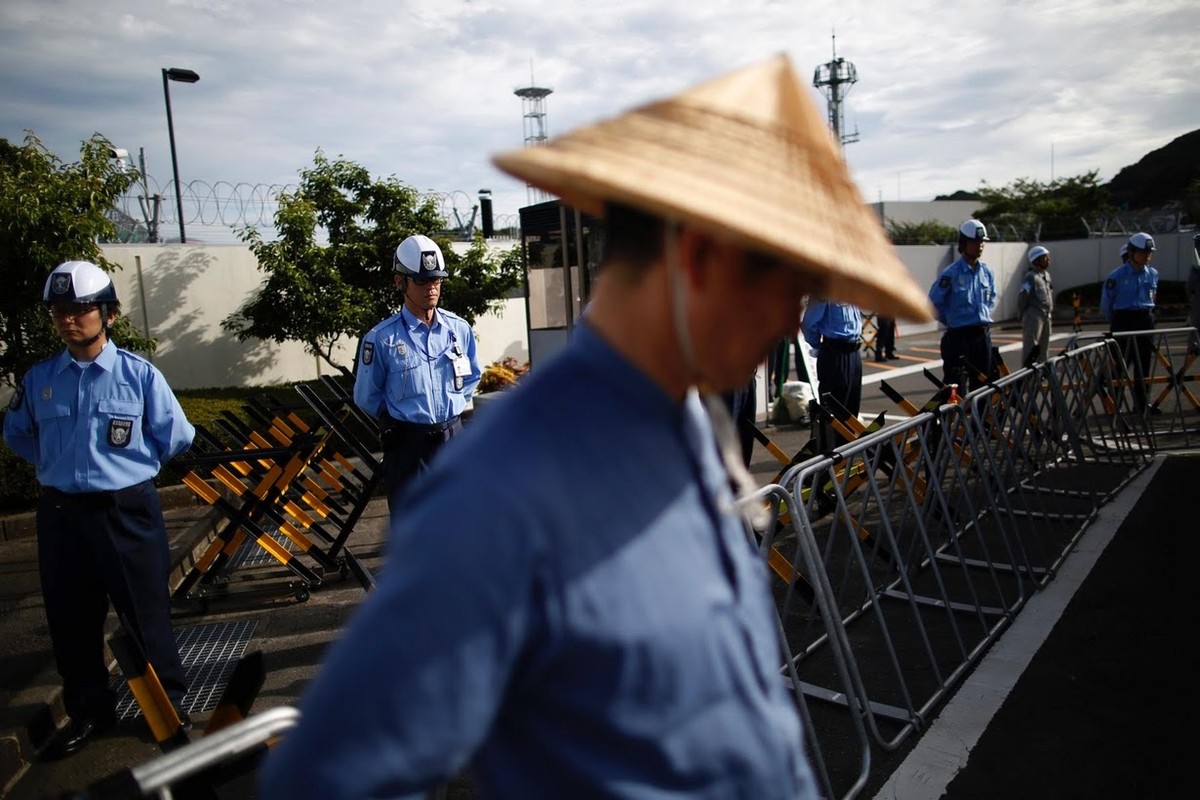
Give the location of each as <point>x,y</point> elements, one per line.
<point>1070,702</point>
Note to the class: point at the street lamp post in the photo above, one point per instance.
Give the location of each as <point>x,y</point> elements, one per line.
<point>183,76</point>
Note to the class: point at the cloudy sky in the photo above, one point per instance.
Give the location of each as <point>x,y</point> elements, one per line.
<point>949,95</point>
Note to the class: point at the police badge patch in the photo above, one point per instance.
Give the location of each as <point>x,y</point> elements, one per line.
<point>118,432</point>
<point>61,284</point>
<point>368,352</point>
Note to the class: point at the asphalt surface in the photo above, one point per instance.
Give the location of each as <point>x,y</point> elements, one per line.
<point>1072,701</point>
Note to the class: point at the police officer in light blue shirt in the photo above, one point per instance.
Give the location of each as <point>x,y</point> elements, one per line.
<point>417,369</point>
<point>1127,302</point>
<point>98,422</point>
<point>963,298</point>
<point>834,330</point>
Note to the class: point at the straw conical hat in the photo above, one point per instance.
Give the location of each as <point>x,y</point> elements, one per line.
<point>746,156</point>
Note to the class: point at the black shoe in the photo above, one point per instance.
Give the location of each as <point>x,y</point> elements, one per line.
<point>75,736</point>
<point>185,722</point>
<point>892,357</point>
<point>1155,411</point>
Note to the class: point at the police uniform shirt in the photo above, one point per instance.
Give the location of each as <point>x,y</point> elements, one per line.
<point>1037,291</point>
<point>963,296</point>
<point>841,321</point>
<point>1128,289</point>
<point>104,426</point>
<point>416,373</point>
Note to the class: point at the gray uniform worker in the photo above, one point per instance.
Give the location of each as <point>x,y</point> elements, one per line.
<point>1035,305</point>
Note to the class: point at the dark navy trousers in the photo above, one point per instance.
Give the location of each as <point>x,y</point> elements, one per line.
<point>965,352</point>
<point>94,548</point>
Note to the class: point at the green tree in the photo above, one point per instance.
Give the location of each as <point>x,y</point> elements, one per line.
<point>1029,210</point>
<point>317,294</point>
<point>51,212</point>
<point>927,232</point>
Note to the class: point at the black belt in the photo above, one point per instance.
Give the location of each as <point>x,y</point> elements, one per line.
<point>92,499</point>
<point>981,328</point>
<point>420,427</point>
<point>841,345</point>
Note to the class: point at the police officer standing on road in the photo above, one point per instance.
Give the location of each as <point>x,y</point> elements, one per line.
<point>1127,302</point>
<point>1035,306</point>
<point>417,369</point>
<point>963,297</point>
<point>834,330</point>
<point>98,422</point>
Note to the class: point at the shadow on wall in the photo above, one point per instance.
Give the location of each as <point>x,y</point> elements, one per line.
<point>188,351</point>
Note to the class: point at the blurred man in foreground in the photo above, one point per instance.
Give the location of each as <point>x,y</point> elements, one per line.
<point>572,606</point>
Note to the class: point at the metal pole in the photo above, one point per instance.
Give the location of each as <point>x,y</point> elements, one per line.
<point>174,160</point>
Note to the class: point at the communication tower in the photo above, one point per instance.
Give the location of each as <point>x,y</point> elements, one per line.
<point>533,108</point>
<point>834,79</point>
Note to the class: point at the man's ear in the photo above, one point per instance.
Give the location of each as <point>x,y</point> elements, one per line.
<point>697,251</point>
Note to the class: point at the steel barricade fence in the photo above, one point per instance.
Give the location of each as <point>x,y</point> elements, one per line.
<point>898,559</point>
<point>1155,388</point>
<point>844,776</point>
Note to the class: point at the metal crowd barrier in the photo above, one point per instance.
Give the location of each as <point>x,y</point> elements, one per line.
<point>286,491</point>
<point>912,548</point>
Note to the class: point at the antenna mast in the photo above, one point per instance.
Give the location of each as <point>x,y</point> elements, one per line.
<point>533,108</point>
<point>834,79</point>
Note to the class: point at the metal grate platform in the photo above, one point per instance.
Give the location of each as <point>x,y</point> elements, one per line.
<point>251,554</point>
<point>209,653</point>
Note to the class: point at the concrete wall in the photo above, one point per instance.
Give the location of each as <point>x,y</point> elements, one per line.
<point>180,293</point>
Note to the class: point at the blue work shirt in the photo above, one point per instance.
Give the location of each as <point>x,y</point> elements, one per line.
<point>841,321</point>
<point>107,426</point>
<point>406,369</point>
<point>570,607</point>
<point>1127,289</point>
<point>964,296</point>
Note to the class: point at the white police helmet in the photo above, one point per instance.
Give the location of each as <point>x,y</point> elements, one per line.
<point>1037,252</point>
<point>1141,241</point>
<point>972,231</point>
<point>419,257</point>
<point>79,282</point>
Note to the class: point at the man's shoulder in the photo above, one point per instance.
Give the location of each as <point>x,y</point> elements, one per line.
<point>45,365</point>
<point>453,319</point>
<point>135,359</point>
<point>384,324</point>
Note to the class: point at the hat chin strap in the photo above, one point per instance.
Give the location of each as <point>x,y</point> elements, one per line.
<point>724,429</point>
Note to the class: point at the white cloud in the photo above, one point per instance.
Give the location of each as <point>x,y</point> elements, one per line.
<point>947,97</point>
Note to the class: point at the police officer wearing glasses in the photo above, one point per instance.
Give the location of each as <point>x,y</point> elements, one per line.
<point>98,422</point>
<point>963,298</point>
<point>417,369</point>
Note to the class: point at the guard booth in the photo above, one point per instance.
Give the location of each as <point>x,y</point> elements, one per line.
<point>561,248</point>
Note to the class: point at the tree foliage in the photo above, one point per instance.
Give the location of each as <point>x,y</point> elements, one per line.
<point>51,212</point>
<point>1028,210</point>
<point>926,232</point>
<point>319,293</point>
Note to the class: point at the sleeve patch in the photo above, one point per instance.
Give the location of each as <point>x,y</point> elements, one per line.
<point>368,353</point>
<point>944,282</point>
<point>1111,284</point>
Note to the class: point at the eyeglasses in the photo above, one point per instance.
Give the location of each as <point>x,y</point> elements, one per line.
<point>76,310</point>
<point>427,281</point>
